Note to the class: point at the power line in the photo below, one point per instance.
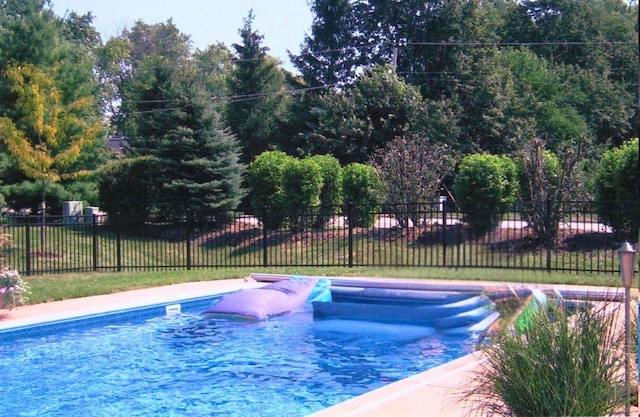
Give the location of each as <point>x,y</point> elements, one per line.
<point>228,99</point>
<point>545,43</point>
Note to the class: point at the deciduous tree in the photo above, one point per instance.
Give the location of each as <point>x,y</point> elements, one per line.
<point>44,136</point>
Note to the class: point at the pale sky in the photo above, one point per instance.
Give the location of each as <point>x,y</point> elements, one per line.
<point>283,23</point>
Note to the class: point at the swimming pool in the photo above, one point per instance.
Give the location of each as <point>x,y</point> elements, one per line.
<point>145,363</point>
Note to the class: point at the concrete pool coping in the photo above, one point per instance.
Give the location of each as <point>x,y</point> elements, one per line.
<point>434,393</point>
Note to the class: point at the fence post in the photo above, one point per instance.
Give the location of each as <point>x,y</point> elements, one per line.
<point>95,241</point>
<point>265,255</point>
<point>548,237</point>
<point>444,234</point>
<point>350,223</point>
<point>188,232</point>
<point>27,246</point>
<point>118,248</point>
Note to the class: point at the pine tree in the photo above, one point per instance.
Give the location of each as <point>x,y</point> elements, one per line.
<point>258,102</point>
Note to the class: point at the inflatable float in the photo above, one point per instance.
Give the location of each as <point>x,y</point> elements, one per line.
<point>448,312</point>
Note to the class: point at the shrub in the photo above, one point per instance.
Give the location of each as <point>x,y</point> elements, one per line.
<point>264,176</point>
<point>411,170</point>
<point>126,190</point>
<point>546,183</point>
<point>301,183</point>
<point>559,365</point>
<point>331,192</point>
<point>483,187</point>
<point>617,182</point>
<point>13,290</point>
<point>85,191</point>
<point>28,194</point>
<point>361,190</point>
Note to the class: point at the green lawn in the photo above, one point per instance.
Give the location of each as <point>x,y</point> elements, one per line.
<point>46,288</point>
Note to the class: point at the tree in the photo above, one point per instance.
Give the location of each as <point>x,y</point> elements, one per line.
<point>129,65</point>
<point>126,189</point>
<point>258,89</point>
<point>29,34</point>
<point>411,170</point>
<point>215,65</point>
<point>600,37</point>
<point>329,55</point>
<point>63,49</point>
<point>354,123</point>
<point>200,174</point>
<point>45,137</point>
<point>167,114</point>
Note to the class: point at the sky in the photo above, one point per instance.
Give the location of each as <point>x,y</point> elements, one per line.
<point>283,23</point>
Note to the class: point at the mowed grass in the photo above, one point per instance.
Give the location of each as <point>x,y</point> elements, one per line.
<point>45,288</point>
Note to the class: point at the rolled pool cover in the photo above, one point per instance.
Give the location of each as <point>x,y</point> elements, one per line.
<point>272,299</point>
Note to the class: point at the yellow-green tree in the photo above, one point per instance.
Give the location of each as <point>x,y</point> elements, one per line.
<point>42,134</point>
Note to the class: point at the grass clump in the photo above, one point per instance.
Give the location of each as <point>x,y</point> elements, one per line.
<point>563,364</point>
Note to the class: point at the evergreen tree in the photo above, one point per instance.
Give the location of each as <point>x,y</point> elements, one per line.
<point>258,102</point>
<point>167,114</point>
<point>200,171</point>
<point>329,55</point>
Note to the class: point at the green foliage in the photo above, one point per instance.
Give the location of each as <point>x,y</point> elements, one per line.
<point>83,190</point>
<point>361,190</point>
<point>265,178</point>
<point>302,184</point>
<point>169,115</point>
<point>333,40</point>
<point>617,182</point>
<point>126,188</point>
<point>28,195</point>
<point>562,364</point>
<point>483,187</point>
<point>200,174</point>
<point>331,192</point>
<point>258,84</point>
<point>356,122</point>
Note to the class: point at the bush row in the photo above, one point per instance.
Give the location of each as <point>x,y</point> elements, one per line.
<point>281,183</point>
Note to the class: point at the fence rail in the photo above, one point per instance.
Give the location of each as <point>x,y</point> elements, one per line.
<point>425,235</point>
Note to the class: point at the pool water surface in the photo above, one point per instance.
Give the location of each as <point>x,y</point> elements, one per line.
<point>189,364</point>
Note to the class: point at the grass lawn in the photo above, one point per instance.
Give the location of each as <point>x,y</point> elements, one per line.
<point>46,288</point>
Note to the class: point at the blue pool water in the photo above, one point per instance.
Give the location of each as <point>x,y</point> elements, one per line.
<point>189,364</point>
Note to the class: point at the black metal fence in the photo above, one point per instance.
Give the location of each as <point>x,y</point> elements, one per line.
<point>572,238</point>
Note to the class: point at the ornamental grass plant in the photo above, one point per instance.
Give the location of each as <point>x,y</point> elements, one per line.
<point>565,363</point>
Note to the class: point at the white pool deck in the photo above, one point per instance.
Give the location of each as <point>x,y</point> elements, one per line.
<point>434,393</point>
